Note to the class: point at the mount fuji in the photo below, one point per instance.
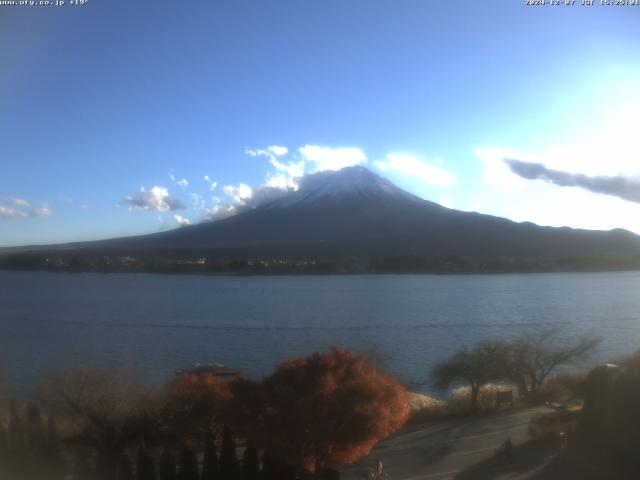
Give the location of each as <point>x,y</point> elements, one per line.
<point>355,213</point>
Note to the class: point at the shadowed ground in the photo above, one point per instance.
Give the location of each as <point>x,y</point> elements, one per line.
<point>461,449</point>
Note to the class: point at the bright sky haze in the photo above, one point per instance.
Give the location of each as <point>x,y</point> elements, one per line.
<point>127,117</point>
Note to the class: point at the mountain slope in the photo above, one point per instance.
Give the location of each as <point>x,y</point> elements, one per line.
<point>356,212</point>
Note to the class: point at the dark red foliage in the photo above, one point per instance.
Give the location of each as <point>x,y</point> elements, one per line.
<point>325,410</point>
<point>197,402</point>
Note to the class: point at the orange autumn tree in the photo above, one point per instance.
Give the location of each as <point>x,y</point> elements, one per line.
<point>196,403</point>
<point>327,410</point>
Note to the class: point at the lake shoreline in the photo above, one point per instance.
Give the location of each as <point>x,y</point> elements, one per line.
<point>294,273</point>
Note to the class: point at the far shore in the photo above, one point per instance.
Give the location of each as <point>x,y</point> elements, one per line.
<point>354,271</point>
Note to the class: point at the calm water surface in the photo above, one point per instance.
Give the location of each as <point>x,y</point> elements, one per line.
<point>157,323</point>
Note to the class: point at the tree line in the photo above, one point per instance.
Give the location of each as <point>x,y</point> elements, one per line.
<point>527,362</point>
<point>33,449</point>
<point>310,417</point>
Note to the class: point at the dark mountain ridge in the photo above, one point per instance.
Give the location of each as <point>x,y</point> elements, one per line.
<point>356,213</point>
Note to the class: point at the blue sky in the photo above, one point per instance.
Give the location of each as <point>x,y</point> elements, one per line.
<point>98,102</point>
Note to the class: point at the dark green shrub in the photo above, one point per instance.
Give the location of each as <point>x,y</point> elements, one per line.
<point>145,468</point>
<point>229,469</point>
<point>187,465</point>
<point>125,469</point>
<point>210,470</point>
<point>83,467</point>
<point>167,470</point>
<point>250,462</point>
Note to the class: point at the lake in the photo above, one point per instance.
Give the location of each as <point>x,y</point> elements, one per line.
<point>158,323</point>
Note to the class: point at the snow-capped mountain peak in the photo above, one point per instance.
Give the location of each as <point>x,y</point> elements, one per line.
<point>347,183</point>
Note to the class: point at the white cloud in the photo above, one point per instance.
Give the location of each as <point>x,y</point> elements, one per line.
<point>380,165</point>
<point>42,211</point>
<point>307,159</point>
<point>239,193</point>
<point>282,182</point>
<point>286,175</point>
<point>197,200</point>
<point>212,185</point>
<point>277,150</point>
<point>255,152</point>
<point>271,151</point>
<point>242,197</point>
<point>326,158</point>
<point>157,199</point>
<point>17,202</point>
<point>182,221</point>
<point>181,183</point>
<point>14,208</point>
<point>419,169</point>
<point>9,213</point>
<point>287,169</point>
<point>292,169</point>
<point>219,210</point>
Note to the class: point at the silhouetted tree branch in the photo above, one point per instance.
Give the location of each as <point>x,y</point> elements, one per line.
<point>475,367</point>
<point>534,357</point>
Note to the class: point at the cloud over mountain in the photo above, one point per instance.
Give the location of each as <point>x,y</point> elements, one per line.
<point>182,221</point>
<point>414,167</point>
<point>288,169</point>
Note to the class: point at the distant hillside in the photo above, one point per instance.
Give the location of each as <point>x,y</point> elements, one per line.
<point>348,220</point>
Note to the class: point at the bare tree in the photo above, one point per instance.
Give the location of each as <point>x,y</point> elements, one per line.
<point>534,357</point>
<point>108,411</point>
<point>484,363</point>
